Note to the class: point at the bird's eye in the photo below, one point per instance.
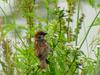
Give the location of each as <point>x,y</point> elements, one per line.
<point>40,37</point>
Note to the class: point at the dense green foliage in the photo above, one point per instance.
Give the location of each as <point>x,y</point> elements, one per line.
<point>65,58</point>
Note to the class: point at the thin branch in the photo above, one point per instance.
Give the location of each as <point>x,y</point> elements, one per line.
<point>89,30</point>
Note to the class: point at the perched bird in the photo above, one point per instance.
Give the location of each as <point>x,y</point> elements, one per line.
<point>41,48</point>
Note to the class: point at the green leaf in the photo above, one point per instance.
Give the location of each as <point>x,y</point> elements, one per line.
<point>92,2</point>
<point>7,28</point>
<point>97,22</point>
<point>98,5</point>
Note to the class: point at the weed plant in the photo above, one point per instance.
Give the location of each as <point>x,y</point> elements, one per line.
<point>18,54</point>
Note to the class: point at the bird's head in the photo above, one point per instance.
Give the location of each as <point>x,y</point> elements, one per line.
<point>40,35</point>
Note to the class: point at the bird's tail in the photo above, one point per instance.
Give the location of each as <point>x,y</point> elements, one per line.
<point>43,64</point>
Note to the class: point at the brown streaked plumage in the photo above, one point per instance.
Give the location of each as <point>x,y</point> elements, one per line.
<point>41,48</point>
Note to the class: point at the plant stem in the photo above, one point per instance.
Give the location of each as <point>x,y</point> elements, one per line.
<point>60,30</point>
<point>77,24</point>
<point>29,18</point>
<point>89,29</point>
<point>3,11</point>
<point>20,38</point>
<point>74,61</point>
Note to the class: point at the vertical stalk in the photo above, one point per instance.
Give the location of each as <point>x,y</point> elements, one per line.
<point>47,8</point>
<point>77,22</point>
<point>29,15</point>
<point>68,30</point>
<point>70,12</point>
<point>29,18</point>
